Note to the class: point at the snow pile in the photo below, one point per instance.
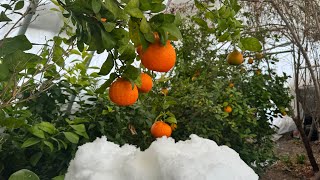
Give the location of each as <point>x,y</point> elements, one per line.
<point>194,159</point>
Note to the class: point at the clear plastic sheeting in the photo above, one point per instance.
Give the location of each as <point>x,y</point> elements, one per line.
<point>197,158</point>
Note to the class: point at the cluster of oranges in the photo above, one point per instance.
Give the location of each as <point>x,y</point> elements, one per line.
<point>156,57</point>
<point>236,58</point>
<point>122,93</point>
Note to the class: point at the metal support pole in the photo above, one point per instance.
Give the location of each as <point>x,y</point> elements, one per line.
<point>31,11</point>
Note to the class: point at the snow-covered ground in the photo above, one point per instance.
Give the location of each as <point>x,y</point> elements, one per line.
<point>194,159</point>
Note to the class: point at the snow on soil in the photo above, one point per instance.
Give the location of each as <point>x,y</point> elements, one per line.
<point>194,159</point>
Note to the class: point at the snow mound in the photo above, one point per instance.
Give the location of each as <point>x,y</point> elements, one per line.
<point>194,159</point>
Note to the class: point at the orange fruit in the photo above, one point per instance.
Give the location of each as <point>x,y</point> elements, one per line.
<point>160,128</point>
<point>164,91</point>
<point>158,57</point>
<point>122,94</point>
<point>231,85</point>
<point>250,60</point>
<point>146,83</point>
<point>103,19</point>
<point>235,58</point>
<point>228,109</point>
<point>259,55</point>
<point>258,72</point>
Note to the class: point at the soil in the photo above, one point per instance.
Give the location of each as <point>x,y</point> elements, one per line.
<point>293,163</point>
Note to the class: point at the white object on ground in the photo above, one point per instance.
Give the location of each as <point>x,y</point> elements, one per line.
<point>194,159</point>
<point>283,125</point>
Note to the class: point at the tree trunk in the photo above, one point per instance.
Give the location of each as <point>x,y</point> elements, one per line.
<point>298,120</point>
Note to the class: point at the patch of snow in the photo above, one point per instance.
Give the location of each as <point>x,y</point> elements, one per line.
<point>197,158</point>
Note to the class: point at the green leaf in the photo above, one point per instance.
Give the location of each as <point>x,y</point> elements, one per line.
<point>131,72</point>
<point>144,26</point>
<point>134,12</point>
<point>4,17</point>
<point>112,7</point>
<point>251,44</point>
<point>30,142</point>
<point>24,174</point>
<point>49,144</point>
<point>11,45</point>
<point>105,85</point>
<point>12,123</point>
<point>107,66</point>
<point>172,30</point>
<point>57,56</point>
<point>149,37</point>
<point>47,127</point>
<point>200,22</point>
<point>235,6</point>
<point>157,1</point>
<point>36,131</point>
<point>6,6</point>
<point>143,41</point>
<point>61,177</point>
<point>171,120</point>
<point>109,26</point>
<point>177,20</point>
<point>80,45</point>
<point>107,40</point>
<point>96,5</point>
<point>155,8</point>
<point>134,30</point>
<point>2,114</point>
<point>19,5</point>
<point>133,4</point>
<point>4,72</point>
<point>199,5</point>
<point>224,37</point>
<point>65,145</point>
<point>20,60</point>
<point>127,52</point>
<point>145,5</point>
<point>72,137</point>
<point>84,134</point>
<point>79,127</point>
<point>34,159</point>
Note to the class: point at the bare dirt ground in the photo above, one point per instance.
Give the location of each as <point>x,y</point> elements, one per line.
<point>293,163</point>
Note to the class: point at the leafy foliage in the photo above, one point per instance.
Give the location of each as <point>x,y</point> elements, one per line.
<point>42,133</point>
<point>119,27</point>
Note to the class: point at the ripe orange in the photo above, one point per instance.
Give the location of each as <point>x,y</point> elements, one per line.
<point>228,109</point>
<point>103,19</point>
<point>259,55</point>
<point>250,60</point>
<point>235,58</point>
<point>164,91</point>
<point>258,72</point>
<point>160,128</point>
<point>231,85</point>
<point>158,57</point>
<point>146,83</point>
<point>122,94</point>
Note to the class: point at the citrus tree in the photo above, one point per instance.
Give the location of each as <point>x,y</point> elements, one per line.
<point>204,94</point>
